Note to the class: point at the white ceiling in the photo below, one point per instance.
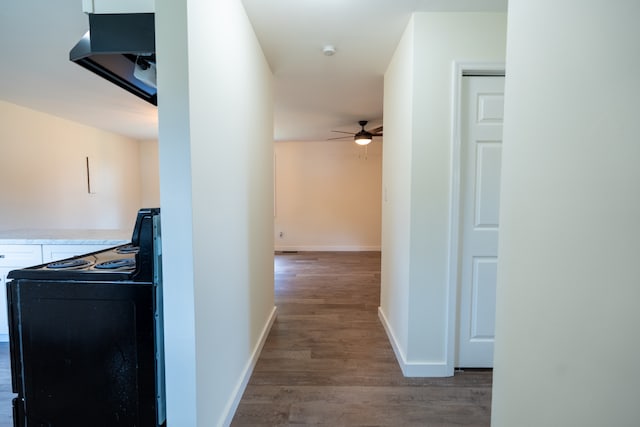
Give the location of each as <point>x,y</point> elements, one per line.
<point>314,93</point>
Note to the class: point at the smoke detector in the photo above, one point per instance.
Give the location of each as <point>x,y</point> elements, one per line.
<point>329,50</point>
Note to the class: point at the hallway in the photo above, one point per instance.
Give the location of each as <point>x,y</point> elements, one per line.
<point>327,360</point>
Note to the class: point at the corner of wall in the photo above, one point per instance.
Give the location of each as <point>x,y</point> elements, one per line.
<point>410,368</point>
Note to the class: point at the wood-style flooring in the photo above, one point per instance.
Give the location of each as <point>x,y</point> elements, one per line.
<point>327,360</point>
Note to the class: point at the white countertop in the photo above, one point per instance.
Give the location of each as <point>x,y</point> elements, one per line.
<point>64,237</point>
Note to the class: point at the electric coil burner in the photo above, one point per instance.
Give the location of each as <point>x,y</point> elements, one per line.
<point>68,264</point>
<point>117,264</point>
<point>86,336</point>
<point>127,249</point>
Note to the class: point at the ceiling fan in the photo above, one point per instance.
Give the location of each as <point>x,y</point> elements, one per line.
<point>362,137</point>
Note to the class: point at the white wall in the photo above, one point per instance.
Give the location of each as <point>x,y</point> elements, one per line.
<point>567,343</point>
<point>149,174</point>
<point>416,225</point>
<point>216,186</point>
<point>44,175</point>
<point>328,195</point>
<point>396,189</point>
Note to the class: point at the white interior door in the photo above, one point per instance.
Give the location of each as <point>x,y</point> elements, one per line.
<point>481,153</point>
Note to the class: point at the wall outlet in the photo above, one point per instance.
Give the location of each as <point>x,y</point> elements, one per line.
<point>281,234</point>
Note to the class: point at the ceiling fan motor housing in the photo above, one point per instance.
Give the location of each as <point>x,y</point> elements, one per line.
<point>363,137</point>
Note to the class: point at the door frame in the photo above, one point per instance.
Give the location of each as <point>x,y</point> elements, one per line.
<point>460,69</point>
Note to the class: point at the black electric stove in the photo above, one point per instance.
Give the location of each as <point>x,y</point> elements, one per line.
<point>86,336</point>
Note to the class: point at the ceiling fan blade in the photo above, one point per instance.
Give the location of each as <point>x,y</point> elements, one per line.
<point>363,132</point>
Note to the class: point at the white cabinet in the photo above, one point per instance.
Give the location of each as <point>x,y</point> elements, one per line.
<point>52,253</point>
<point>20,255</point>
<point>4,324</point>
<point>13,257</point>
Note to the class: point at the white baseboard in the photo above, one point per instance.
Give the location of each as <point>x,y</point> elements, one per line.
<point>414,369</point>
<point>232,405</point>
<point>337,248</point>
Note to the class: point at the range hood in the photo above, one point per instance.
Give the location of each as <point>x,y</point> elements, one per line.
<point>121,48</point>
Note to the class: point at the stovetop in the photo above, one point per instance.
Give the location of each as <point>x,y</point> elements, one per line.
<point>116,259</point>
<point>118,263</point>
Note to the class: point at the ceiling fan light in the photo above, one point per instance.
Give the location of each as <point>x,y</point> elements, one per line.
<point>363,140</point>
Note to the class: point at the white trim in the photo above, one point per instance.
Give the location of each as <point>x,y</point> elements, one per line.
<point>109,6</point>
<point>275,186</point>
<point>337,248</point>
<point>410,368</point>
<point>233,403</point>
<point>87,6</point>
<point>460,69</point>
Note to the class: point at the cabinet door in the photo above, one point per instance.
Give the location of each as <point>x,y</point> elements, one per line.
<point>4,322</point>
<point>52,253</point>
<point>18,256</point>
<point>14,257</point>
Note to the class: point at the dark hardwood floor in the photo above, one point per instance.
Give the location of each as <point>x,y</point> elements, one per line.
<point>327,360</point>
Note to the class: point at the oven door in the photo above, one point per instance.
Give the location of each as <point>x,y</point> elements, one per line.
<point>83,353</point>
